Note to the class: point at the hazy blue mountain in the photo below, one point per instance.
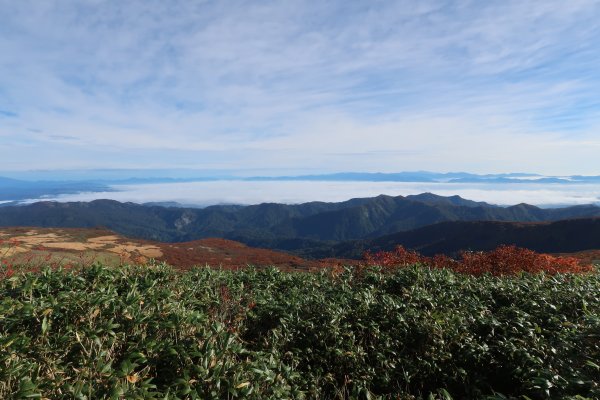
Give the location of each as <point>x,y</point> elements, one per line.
<point>509,180</point>
<point>9,182</point>
<point>408,176</point>
<point>13,189</point>
<point>356,176</point>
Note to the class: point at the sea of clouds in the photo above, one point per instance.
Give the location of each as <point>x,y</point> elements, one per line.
<point>292,192</point>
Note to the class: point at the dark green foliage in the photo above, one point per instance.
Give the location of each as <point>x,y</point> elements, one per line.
<point>150,332</point>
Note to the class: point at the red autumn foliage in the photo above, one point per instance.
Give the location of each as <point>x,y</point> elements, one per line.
<point>6,269</point>
<point>504,260</point>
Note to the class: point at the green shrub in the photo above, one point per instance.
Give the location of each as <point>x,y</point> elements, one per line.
<point>151,332</point>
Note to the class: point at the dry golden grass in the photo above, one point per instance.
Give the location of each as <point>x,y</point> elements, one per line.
<point>58,241</point>
<point>74,246</point>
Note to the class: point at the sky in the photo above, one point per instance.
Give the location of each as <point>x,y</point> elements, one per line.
<point>301,86</point>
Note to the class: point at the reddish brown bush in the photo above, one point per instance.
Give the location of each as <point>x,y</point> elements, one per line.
<point>504,260</point>
<point>399,257</point>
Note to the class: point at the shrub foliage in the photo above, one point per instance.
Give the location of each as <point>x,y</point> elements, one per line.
<point>504,260</point>
<point>415,332</point>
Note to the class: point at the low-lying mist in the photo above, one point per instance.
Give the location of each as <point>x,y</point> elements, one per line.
<point>290,192</point>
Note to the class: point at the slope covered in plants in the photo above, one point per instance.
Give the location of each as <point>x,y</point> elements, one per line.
<point>413,332</point>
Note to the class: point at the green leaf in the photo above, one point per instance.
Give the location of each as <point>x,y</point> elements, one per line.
<point>45,325</point>
<point>592,364</point>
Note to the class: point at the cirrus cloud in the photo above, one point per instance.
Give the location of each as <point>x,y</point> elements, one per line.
<point>375,86</point>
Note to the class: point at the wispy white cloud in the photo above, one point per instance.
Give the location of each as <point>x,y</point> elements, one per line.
<point>469,85</point>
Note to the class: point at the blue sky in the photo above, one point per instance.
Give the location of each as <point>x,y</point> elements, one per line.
<point>301,86</point>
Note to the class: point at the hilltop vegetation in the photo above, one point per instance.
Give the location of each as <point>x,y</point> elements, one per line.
<point>408,333</point>
<point>36,247</point>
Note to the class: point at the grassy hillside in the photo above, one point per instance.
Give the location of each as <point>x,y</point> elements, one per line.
<point>150,332</point>
<point>36,247</point>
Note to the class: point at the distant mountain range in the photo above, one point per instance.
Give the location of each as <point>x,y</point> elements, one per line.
<point>426,222</point>
<point>425,176</point>
<point>132,176</point>
<point>15,189</point>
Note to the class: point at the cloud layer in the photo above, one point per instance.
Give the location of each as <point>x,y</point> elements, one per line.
<point>293,192</point>
<point>492,86</point>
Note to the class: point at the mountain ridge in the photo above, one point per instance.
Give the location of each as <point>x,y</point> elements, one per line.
<point>301,228</point>
<point>450,238</point>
